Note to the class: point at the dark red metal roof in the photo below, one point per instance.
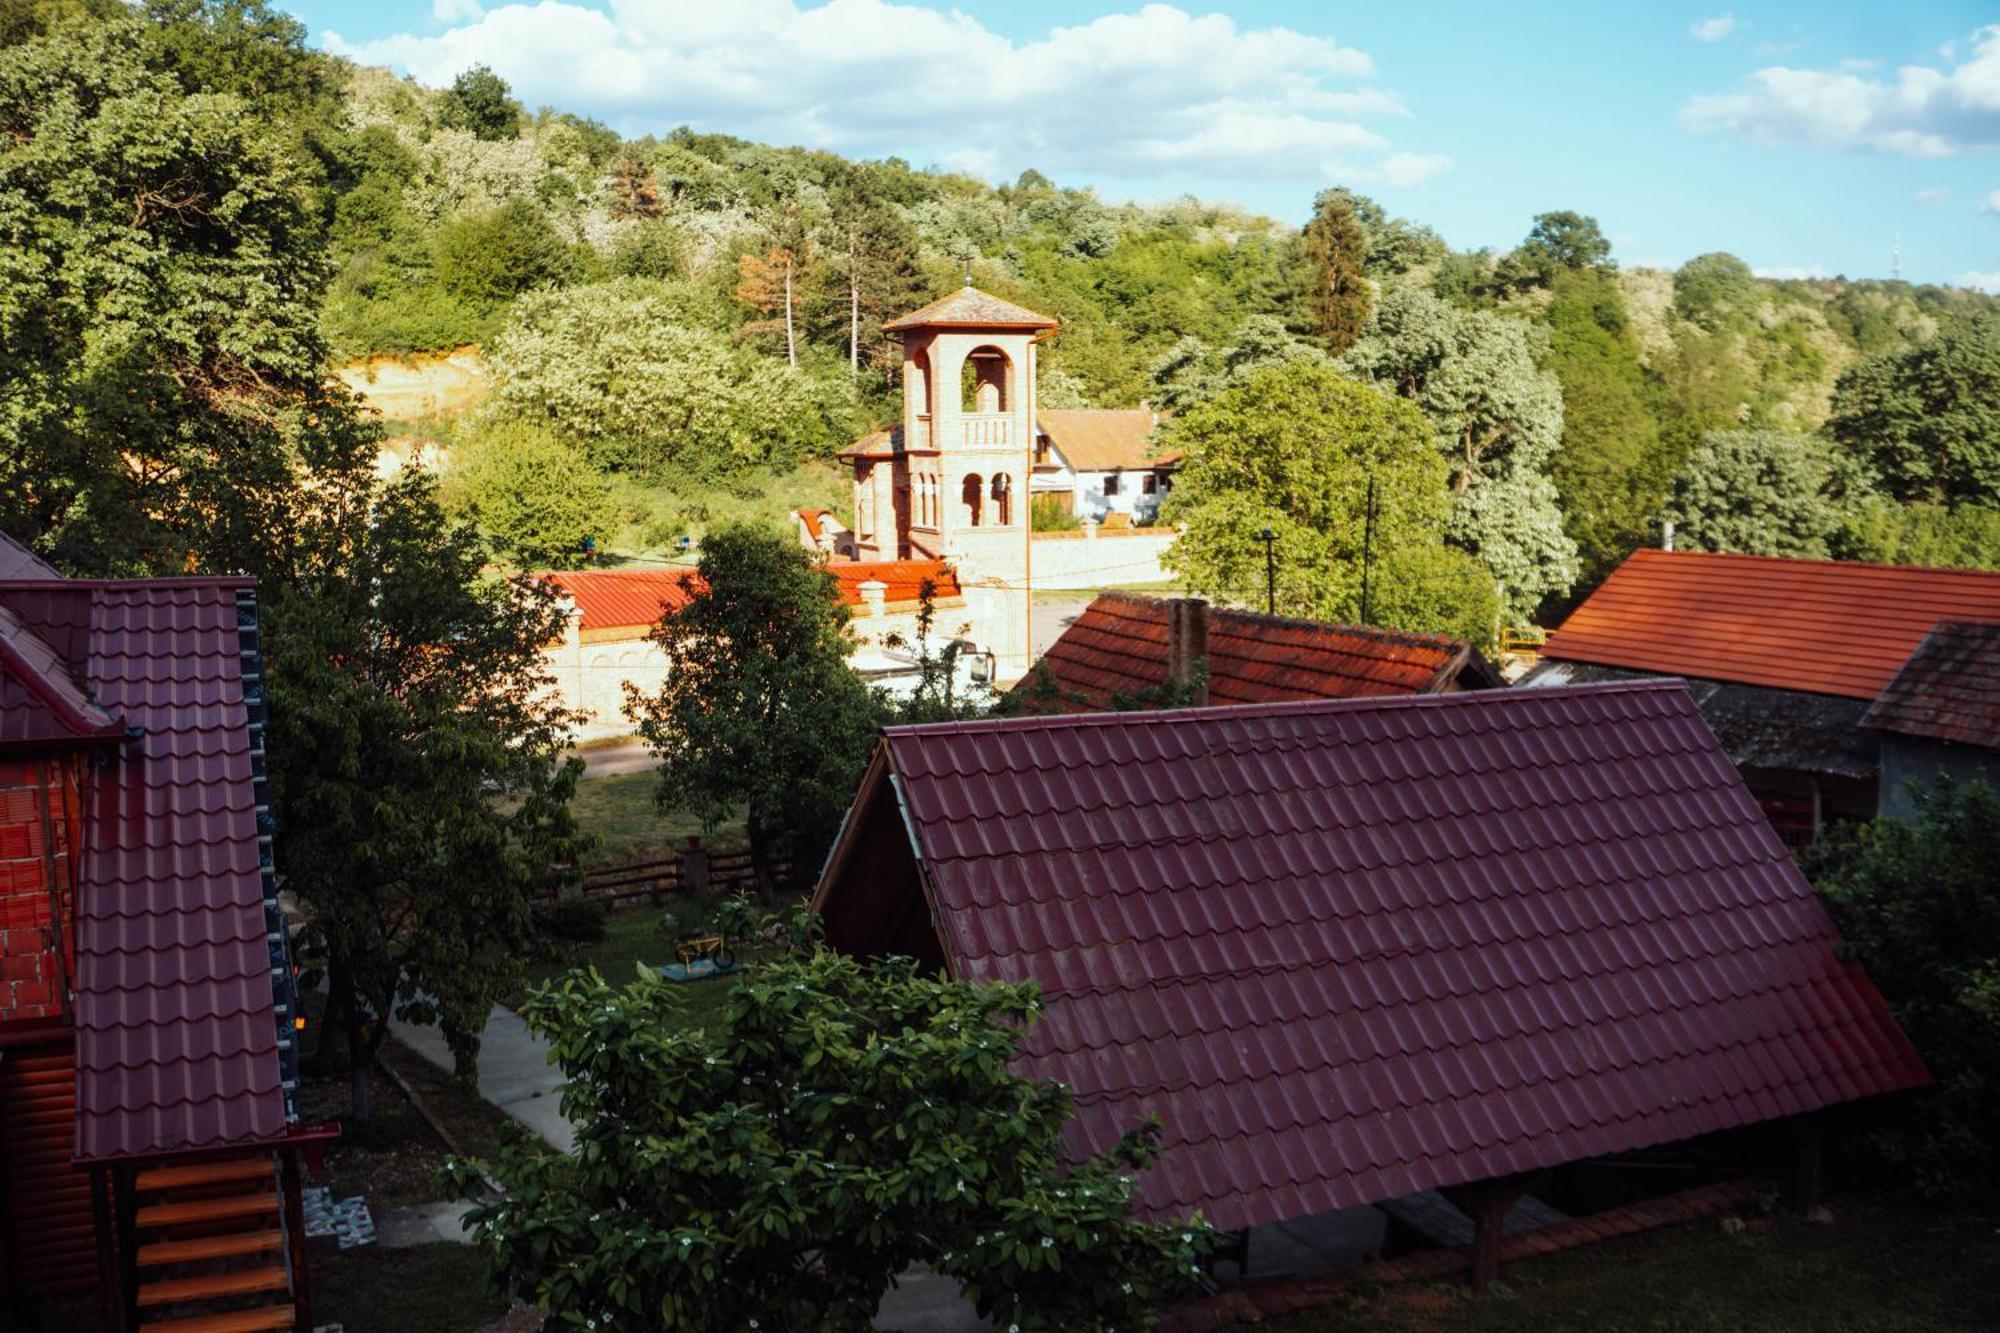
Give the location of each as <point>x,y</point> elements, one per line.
<point>1818,626</point>
<point>1949,690</point>
<point>175,1027</point>
<point>1350,950</point>
<point>41,702</point>
<point>18,562</point>
<point>1119,647</point>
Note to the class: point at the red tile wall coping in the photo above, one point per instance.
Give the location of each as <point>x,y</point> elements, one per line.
<point>1285,1296</point>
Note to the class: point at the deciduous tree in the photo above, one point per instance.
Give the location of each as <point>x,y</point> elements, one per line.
<point>1757,492</point>
<point>779,1167</point>
<point>480,102</point>
<point>1928,419</point>
<point>539,499</point>
<point>759,712</point>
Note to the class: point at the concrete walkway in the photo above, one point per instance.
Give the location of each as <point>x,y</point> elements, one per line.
<point>514,1071</point>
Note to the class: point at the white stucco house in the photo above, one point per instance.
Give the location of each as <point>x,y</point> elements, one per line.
<point>1095,462</point>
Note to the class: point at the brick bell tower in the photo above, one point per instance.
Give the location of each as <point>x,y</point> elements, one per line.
<point>967,455</point>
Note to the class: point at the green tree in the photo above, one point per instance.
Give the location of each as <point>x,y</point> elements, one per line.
<point>540,500</point>
<point>623,369</point>
<point>1709,289</point>
<point>759,712</point>
<point>423,792</point>
<point>160,363</point>
<point>1928,419</point>
<point>1496,417</point>
<point>480,102</point>
<point>1610,472</point>
<point>1918,903</point>
<point>1336,249</point>
<point>1292,449</point>
<point>492,257</point>
<point>1877,528</point>
<point>780,1166</point>
<point>1756,492</point>
<point>1559,242</point>
<point>1192,372</point>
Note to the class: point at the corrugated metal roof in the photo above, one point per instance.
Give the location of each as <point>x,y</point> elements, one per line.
<point>968,307</point>
<point>1349,950</point>
<point>175,1026</point>
<point>1820,626</point>
<point>1118,646</point>
<point>1949,690</point>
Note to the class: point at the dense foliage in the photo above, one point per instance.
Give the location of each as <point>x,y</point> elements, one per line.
<point>1758,492</point>
<point>1918,903</point>
<point>759,714</point>
<point>1294,449</point>
<point>779,1167</point>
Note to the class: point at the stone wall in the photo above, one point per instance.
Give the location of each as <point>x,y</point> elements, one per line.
<point>1094,559</point>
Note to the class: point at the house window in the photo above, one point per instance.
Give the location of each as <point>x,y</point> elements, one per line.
<point>1111,483</point>
<point>1149,484</point>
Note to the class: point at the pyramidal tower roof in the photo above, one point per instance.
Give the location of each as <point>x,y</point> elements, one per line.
<point>968,307</point>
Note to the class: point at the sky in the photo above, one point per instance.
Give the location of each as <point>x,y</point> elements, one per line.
<point>1811,139</point>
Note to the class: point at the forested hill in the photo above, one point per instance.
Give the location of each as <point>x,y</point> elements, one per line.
<point>677,329</point>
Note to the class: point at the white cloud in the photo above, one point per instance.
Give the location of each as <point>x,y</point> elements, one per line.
<point>1932,196</point>
<point>1713,30</point>
<point>1981,282</point>
<point>1792,272</point>
<point>1991,203</point>
<point>1148,93</point>
<point>1920,111</point>
<point>457,11</point>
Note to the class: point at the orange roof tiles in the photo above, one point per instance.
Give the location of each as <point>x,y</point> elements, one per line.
<point>1816,626</point>
<point>609,599</point>
<point>1101,439</point>
<point>1118,647</point>
<point>970,307</point>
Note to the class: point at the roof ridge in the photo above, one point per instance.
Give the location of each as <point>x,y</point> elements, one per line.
<point>1795,561</point>
<point>1288,707</point>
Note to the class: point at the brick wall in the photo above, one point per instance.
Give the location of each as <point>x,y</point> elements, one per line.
<point>37,948</point>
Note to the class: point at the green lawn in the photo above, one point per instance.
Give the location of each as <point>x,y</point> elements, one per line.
<point>1875,1269</point>
<point>634,936</point>
<point>619,811</point>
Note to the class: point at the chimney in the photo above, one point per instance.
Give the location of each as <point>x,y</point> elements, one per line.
<point>1667,535</point>
<point>874,594</point>
<point>1187,646</point>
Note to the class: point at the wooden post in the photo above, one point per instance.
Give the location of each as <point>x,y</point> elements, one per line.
<point>125,1206</point>
<point>292,1187</point>
<point>1808,1150</point>
<point>1488,1205</point>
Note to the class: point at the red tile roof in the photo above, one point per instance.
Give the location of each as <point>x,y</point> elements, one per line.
<point>1118,646</point>
<point>625,598</point>
<point>1949,690</point>
<point>1349,950</point>
<point>176,1032</point>
<point>1818,626</point>
<point>635,598</point>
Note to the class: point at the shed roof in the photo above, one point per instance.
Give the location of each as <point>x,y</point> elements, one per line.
<point>1818,626</point>
<point>1118,646</point>
<point>176,1030</point>
<point>968,307</point>
<point>1949,690</point>
<point>1095,439</point>
<point>1348,950</point>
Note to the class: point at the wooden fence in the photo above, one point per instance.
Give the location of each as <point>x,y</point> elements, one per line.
<point>652,882</point>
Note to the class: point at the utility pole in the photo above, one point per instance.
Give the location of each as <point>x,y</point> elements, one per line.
<point>1270,538</point>
<point>1368,550</point>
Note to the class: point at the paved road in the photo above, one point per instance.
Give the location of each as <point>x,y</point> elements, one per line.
<point>602,761</point>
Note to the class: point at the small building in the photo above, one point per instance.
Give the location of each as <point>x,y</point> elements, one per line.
<point>1128,649</point>
<point>1101,464</point>
<point>1783,657</point>
<point>821,532</point>
<point>1940,716</point>
<point>1351,950</point>
<point>150,1143</point>
<point>607,644</point>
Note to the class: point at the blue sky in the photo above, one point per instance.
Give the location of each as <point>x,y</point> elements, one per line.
<point>1804,137</point>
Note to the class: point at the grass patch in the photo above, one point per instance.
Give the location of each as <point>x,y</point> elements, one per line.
<point>424,1289</point>
<point>620,812</point>
<point>1878,1268</point>
<point>633,937</point>
<point>473,1123</point>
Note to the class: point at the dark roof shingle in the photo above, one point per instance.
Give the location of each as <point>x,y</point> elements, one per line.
<point>1818,626</point>
<point>1118,646</point>
<point>1350,950</point>
<point>1949,690</point>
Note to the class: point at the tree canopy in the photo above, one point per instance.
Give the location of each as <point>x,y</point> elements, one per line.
<point>1927,419</point>
<point>1336,248</point>
<point>1756,493</point>
<point>1293,448</point>
<point>781,1165</point>
<point>480,101</point>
